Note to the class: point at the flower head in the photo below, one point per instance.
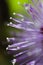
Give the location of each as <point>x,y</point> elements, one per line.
<point>27,44</point>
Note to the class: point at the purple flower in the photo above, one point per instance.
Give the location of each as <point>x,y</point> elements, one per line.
<point>27,43</point>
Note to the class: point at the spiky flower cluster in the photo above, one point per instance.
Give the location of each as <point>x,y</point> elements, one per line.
<point>27,44</point>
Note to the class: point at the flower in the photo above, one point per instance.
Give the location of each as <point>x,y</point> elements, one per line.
<point>27,44</point>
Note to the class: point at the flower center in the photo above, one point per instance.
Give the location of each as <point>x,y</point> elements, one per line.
<point>41,30</point>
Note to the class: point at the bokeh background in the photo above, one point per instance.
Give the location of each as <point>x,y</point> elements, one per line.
<point>7,7</point>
